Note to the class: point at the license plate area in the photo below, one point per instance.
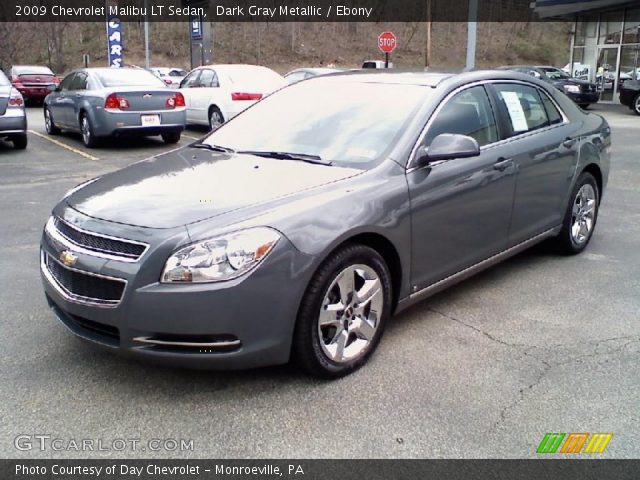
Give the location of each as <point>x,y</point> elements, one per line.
<point>150,120</point>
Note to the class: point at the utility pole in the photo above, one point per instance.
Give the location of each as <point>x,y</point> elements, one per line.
<point>427,47</point>
<point>472,28</point>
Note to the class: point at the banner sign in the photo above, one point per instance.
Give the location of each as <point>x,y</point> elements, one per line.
<point>115,41</point>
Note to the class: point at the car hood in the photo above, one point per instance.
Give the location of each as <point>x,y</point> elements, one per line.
<point>573,81</point>
<point>190,185</point>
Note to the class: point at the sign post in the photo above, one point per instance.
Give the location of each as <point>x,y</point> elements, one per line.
<point>387,43</point>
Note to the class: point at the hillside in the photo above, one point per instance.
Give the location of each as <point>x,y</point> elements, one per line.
<point>286,45</point>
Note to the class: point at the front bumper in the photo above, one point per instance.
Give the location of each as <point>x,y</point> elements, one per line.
<point>13,121</point>
<point>584,98</point>
<point>242,323</point>
<point>107,122</point>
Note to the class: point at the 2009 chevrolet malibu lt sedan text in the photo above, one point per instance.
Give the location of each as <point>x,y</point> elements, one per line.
<point>299,227</point>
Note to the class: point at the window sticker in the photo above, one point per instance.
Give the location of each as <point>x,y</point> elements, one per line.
<point>516,113</point>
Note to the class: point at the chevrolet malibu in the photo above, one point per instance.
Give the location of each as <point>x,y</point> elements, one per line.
<point>102,102</point>
<point>297,229</point>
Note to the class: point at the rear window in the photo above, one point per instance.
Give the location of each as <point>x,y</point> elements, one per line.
<point>3,80</point>
<point>32,70</point>
<point>128,77</point>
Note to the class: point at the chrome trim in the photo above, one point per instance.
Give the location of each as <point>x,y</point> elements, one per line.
<point>151,341</point>
<point>57,235</point>
<point>72,297</point>
<point>410,168</point>
<point>440,285</point>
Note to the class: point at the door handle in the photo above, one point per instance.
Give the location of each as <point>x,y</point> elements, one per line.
<point>568,142</point>
<point>502,164</point>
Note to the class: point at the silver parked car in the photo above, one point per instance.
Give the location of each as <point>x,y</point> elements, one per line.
<point>13,118</point>
<point>100,102</point>
<point>300,227</point>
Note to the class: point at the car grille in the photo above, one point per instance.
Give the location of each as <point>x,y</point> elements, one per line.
<point>101,244</point>
<point>85,287</point>
<point>591,88</point>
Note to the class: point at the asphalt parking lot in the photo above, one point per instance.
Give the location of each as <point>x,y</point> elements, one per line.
<point>538,344</point>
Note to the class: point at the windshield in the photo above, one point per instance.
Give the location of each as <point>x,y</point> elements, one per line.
<point>32,70</point>
<point>349,123</point>
<point>555,74</point>
<point>128,77</point>
<point>3,80</point>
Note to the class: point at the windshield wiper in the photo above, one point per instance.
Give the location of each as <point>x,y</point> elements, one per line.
<point>303,157</point>
<point>214,148</point>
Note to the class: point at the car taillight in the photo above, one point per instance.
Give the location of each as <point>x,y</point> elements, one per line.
<point>15,99</point>
<point>176,101</point>
<point>15,79</point>
<point>245,96</point>
<point>114,101</point>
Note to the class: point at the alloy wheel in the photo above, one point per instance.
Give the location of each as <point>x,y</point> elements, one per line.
<point>350,313</point>
<point>215,119</point>
<point>583,214</point>
<point>86,131</point>
<point>47,120</point>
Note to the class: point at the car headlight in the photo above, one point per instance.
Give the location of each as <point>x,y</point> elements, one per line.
<point>571,88</point>
<point>220,258</point>
<point>78,187</point>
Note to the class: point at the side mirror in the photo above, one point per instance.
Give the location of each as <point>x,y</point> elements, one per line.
<point>447,146</point>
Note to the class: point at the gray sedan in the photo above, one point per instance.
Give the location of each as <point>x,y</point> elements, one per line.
<point>13,118</point>
<point>297,229</point>
<point>100,102</point>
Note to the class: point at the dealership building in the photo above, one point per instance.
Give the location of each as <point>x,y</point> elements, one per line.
<point>605,40</point>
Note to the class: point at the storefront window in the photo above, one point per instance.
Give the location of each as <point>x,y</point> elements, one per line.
<point>585,29</point>
<point>630,63</point>
<point>610,28</point>
<point>583,66</point>
<point>632,26</point>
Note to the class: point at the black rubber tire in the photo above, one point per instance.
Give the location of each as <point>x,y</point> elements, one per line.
<point>51,129</point>
<point>19,141</point>
<point>564,242</point>
<point>635,105</point>
<point>171,137</point>
<point>307,351</point>
<point>213,109</point>
<point>92,140</point>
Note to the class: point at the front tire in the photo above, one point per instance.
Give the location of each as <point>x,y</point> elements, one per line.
<point>49,124</point>
<point>580,217</point>
<point>343,313</point>
<point>171,137</point>
<point>19,142</point>
<point>86,129</point>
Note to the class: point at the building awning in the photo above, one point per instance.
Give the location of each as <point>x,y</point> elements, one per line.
<point>569,8</point>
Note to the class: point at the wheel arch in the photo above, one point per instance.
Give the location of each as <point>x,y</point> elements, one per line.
<point>594,169</point>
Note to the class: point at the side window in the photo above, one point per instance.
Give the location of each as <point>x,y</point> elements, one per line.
<point>522,106</point>
<point>190,80</point>
<point>66,81</point>
<point>79,82</point>
<point>552,111</point>
<point>296,77</point>
<point>467,113</point>
<point>208,78</point>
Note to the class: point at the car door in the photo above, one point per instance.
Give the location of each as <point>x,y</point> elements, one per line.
<point>545,151</point>
<point>461,207</point>
<point>203,94</point>
<point>187,89</point>
<point>76,94</point>
<point>59,102</point>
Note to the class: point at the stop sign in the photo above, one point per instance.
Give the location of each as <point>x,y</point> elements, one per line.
<point>387,42</point>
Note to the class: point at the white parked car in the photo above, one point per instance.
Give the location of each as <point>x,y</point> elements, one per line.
<point>215,94</point>
<point>172,76</point>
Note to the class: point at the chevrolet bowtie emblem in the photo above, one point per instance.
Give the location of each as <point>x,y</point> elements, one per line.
<point>67,258</point>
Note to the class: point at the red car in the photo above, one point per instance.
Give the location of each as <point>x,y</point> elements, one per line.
<point>33,82</point>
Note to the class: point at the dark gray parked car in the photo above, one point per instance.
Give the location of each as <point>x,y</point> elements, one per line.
<point>13,118</point>
<point>300,226</point>
<point>100,102</point>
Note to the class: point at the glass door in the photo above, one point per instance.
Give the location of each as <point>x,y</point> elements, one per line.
<point>607,72</point>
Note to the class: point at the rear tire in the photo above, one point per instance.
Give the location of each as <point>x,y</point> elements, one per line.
<point>636,104</point>
<point>171,137</point>
<point>86,129</point>
<point>580,217</point>
<point>343,312</point>
<point>215,118</point>
<point>19,141</point>
<point>49,124</point>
